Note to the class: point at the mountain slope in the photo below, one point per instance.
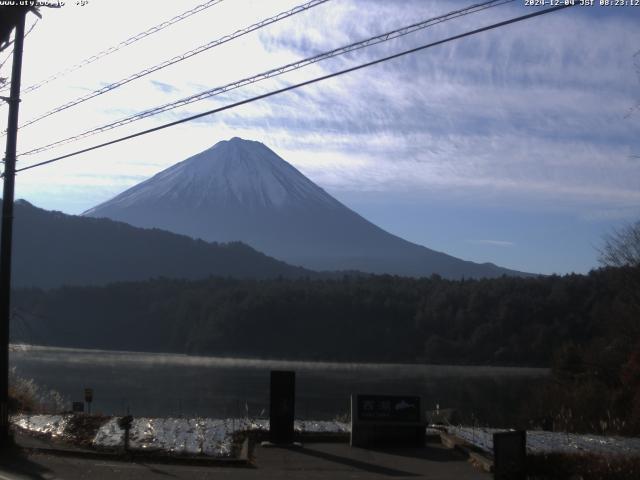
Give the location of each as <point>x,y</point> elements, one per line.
<point>53,249</point>
<point>242,190</point>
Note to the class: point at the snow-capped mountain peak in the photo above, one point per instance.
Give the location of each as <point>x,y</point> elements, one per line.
<point>241,190</point>
<point>234,171</point>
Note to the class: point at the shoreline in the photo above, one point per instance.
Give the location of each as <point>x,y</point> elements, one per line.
<point>183,359</point>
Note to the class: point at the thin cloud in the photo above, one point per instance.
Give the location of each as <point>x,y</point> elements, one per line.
<point>164,87</point>
<point>495,243</point>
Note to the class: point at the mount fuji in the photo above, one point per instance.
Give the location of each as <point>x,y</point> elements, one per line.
<point>242,190</point>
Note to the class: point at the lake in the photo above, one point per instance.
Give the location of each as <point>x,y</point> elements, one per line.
<point>154,384</point>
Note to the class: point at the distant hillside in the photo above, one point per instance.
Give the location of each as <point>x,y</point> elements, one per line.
<point>53,249</point>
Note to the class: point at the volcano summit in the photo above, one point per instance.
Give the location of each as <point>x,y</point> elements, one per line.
<point>242,190</point>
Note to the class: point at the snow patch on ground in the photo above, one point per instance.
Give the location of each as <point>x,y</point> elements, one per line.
<point>53,425</point>
<point>181,436</point>
<point>196,436</point>
<point>547,442</point>
<point>184,436</point>
<point>311,426</point>
<point>214,437</point>
<point>109,435</point>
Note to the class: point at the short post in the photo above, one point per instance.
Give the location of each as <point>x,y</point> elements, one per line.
<point>510,455</point>
<point>282,406</point>
<point>88,398</point>
<point>125,424</point>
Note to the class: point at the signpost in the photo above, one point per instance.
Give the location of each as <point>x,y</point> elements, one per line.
<point>88,398</point>
<point>388,408</point>
<point>282,407</point>
<point>387,420</point>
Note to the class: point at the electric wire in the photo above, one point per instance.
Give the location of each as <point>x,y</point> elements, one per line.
<point>115,48</point>
<point>178,58</point>
<point>2,64</point>
<point>301,84</point>
<point>10,55</point>
<point>273,73</point>
<point>7,45</point>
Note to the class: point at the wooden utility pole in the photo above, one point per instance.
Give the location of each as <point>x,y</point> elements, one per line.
<point>7,229</point>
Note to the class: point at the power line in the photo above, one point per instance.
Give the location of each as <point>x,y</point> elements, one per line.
<point>11,52</point>
<point>274,72</point>
<point>178,58</point>
<point>6,59</point>
<point>299,85</point>
<point>120,45</point>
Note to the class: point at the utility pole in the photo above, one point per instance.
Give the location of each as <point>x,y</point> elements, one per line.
<point>7,229</point>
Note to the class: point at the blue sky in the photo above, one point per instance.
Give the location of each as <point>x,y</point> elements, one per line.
<point>515,146</point>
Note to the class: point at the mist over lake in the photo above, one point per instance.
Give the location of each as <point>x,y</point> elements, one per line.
<point>154,384</point>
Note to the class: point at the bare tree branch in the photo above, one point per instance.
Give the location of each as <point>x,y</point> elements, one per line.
<point>622,247</point>
<point>636,62</point>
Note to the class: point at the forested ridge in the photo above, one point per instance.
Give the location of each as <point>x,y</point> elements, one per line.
<point>96,251</point>
<point>512,321</point>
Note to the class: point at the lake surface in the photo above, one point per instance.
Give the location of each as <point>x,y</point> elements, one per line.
<point>153,384</point>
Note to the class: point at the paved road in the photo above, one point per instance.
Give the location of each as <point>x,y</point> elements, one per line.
<point>314,461</point>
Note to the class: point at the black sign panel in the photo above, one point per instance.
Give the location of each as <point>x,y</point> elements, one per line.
<point>510,455</point>
<point>390,408</point>
<point>282,407</point>
<point>88,395</point>
<point>78,407</point>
